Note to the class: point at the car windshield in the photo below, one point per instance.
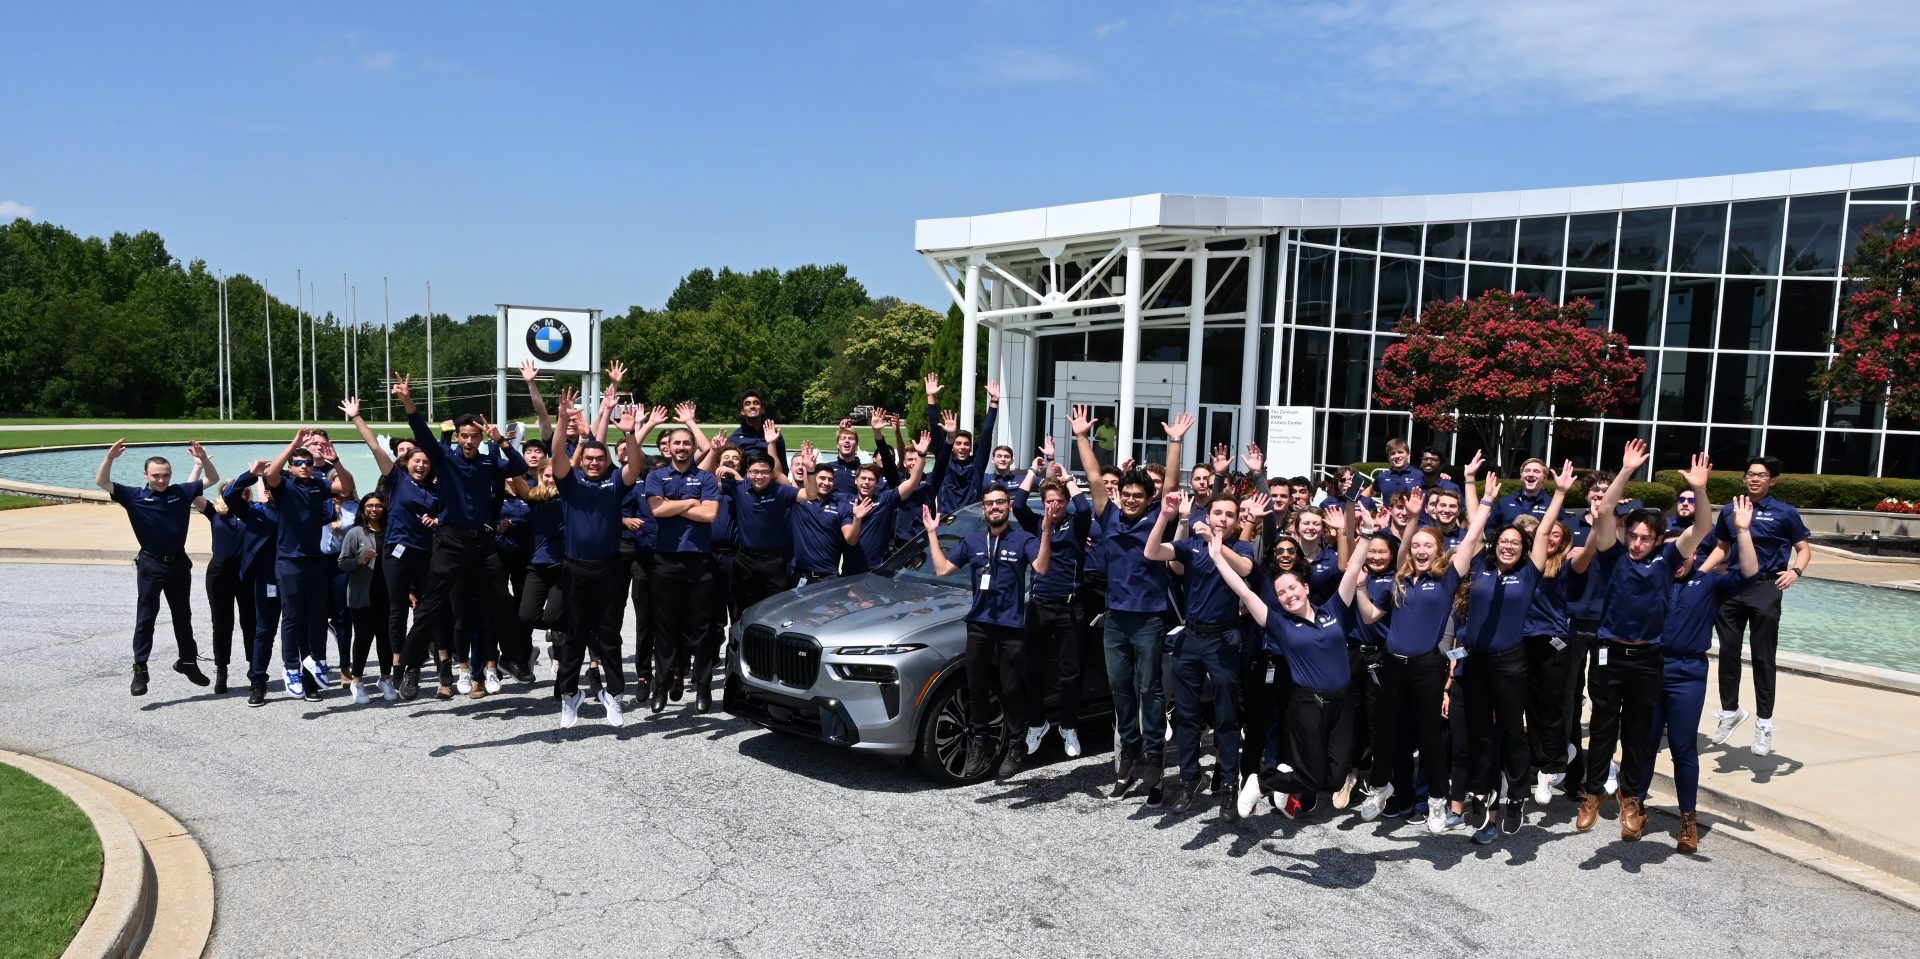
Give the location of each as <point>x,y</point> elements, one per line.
<point>910,563</point>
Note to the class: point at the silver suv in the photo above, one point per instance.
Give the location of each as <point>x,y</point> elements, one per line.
<point>873,662</point>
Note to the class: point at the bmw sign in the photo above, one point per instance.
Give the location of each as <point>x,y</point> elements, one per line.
<point>549,339</point>
<point>555,339</point>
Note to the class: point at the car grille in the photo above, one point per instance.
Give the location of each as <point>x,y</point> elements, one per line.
<point>789,659</point>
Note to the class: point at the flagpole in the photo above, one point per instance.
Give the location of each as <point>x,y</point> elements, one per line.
<point>266,309</point>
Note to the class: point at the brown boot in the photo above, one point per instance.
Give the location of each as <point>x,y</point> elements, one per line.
<point>479,691</point>
<point>1633,818</point>
<point>1689,833</point>
<point>1589,812</point>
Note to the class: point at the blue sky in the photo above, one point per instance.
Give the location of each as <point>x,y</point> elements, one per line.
<point>581,154</point>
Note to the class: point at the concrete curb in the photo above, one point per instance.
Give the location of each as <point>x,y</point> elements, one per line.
<point>171,913</point>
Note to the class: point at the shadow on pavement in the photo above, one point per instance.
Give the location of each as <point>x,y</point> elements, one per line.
<point>1730,759</point>
<point>831,764</point>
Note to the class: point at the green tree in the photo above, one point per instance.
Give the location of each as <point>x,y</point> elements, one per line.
<point>878,364</point>
<point>1879,335</point>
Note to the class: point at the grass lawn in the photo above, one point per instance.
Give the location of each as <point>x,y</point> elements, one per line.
<point>49,867</point>
<point>9,501</point>
<point>822,436</point>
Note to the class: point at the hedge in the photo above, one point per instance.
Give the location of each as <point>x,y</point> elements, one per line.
<point>1658,495</point>
<point>1807,490</point>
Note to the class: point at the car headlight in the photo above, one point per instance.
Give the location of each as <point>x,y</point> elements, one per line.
<point>866,672</point>
<point>893,650</point>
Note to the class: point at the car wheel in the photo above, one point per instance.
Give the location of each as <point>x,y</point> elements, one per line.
<point>944,752</point>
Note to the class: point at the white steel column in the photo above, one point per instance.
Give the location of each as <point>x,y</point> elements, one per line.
<point>1190,451</point>
<point>1279,374</point>
<point>1250,345</point>
<point>969,345</point>
<point>996,359</point>
<point>1129,355</point>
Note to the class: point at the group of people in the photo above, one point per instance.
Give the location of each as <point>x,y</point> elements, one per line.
<point>1418,642</point>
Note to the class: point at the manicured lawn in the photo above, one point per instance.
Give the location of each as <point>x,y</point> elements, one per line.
<point>49,867</point>
<point>9,501</point>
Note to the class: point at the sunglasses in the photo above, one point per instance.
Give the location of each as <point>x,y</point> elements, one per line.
<point>1686,499</point>
<point>1286,551</point>
<point>299,462</point>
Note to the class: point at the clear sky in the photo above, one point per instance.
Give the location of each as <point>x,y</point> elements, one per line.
<point>590,154</point>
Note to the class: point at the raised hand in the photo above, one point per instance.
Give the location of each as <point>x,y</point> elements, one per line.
<point>1473,465</point>
<point>492,431</point>
<point>1222,458</point>
<point>1742,513</point>
<point>617,372</point>
<point>656,416</point>
<point>933,388</point>
<point>1634,456</point>
<point>1046,448</point>
<point>1564,478</point>
<point>402,386</point>
<point>1171,502</point>
<point>1081,420</point>
<point>351,407</point>
<point>259,467</point>
<point>1696,473</point>
<point>1127,465</point>
<point>199,452</point>
<point>529,372</point>
<point>846,423</point>
<point>923,442</point>
<point>1416,502</point>
<point>927,519</point>
<point>1256,460</point>
<point>626,421</point>
<point>119,447</point>
<point>1259,505</point>
<point>1039,464</point>
<point>862,506</point>
<point>685,411</point>
<point>949,422</point>
<point>993,391</point>
<point>1056,511</point>
<point>1364,517</point>
<point>770,431</point>
<point>1179,427</point>
<point>1335,517</point>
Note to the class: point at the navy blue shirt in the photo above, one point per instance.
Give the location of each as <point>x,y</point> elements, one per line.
<point>1509,508</point>
<point>1135,584</point>
<point>467,487</point>
<point>1323,575</point>
<point>1637,591</point>
<point>407,503</point>
<point>876,531</point>
<point>1379,587</point>
<point>635,505</point>
<point>844,473</point>
<point>227,531</point>
<point>302,505</point>
<point>750,439</point>
<point>1420,615</point>
<point>1692,606</point>
<point>998,565</point>
<point>1497,604</point>
<point>760,519</point>
<point>1396,479</point>
<point>1586,592</point>
<point>160,519</point>
<point>1316,649</point>
<point>549,530</point>
<point>959,484</point>
<point>1547,615</point>
<point>590,515</point>
<point>817,540</point>
<point>678,534</point>
<point>514,534</point>
<point>726,536</point>
<point>1069,539</point>
<point>1776,527</point>
<point>1209,600</point>
<point>261,523</point>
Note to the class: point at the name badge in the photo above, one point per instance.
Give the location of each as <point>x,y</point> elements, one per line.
<point>1603,655</point>
<point>1559,645</point>
<point>1269,674</point>
<point>273,592</point>
<point>986,581</point>
<point>399,549</point>
<point>1457,653</point>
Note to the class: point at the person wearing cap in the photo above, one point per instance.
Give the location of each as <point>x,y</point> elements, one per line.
<point>1781,539</point>
<point>159,512</point>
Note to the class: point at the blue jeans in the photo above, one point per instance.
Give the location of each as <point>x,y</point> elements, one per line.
<point>1134,643</point>
<point>304,597</point>
<point>1683,694</point>
<point>266,616</point>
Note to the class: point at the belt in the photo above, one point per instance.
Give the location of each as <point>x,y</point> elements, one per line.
<point>762,553</point>
<point>816,573</point>
<point>1418,657</point>
<point>1633,649</point>
<point>164,557</point>
<point>1212,627</point>
<point>1066,603</point>
<point>1368,649</point>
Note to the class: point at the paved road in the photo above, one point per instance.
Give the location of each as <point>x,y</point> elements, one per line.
<point>477,828</point>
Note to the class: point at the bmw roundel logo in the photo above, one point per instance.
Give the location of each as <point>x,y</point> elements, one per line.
<point>549,339</point>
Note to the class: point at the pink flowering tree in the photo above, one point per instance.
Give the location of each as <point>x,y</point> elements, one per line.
<point>1876,354</point>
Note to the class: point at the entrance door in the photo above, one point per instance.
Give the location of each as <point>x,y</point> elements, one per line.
<point>1218,425</point>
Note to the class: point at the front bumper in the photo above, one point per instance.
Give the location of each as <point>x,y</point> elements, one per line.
<point>864,716</point>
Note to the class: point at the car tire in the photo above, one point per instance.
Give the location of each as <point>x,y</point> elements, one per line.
<point>941,751</point>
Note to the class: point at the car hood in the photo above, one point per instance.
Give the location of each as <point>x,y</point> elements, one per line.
<point>859,604</point>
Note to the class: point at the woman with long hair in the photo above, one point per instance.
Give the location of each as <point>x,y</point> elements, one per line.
<point>1549,655</point>
<point>361,551</point>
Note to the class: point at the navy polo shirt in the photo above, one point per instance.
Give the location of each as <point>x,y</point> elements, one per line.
<point>1637,593</point>
<point>753,439</point>
<point>678,534</point>
<point>1586,592</point>
<point>1509,508</point>
<point>1323,575</point>
<point>1497,604</point>
<point>1692,607</point>
<point>635,505</point>
<point>227,531</point>
<point>302,505</point>
<point>1420,615</point>
<point>514,534</point>
<point>876,531</point>
<point>467,487</point>
<point>590,514</point>
<point>1439,482</point>
<point>549,531</point>
<point>1379,587</point>
<point>1094,566</point>
<point>1776,528</point>
<point>1135,584</point>
<point>817,540</point>
<point>1208,597</point>
<point>261,523</point>
<point>906,520</point>
<point>160,519</point>
<point>1069,539</point>
<point>760,519</point>
<point>407,503</point>
<point>1003,561</point>
<point>1396,479</point>
<point>1547,615</point>
<point>960,484</point>
<point>1316,648</point>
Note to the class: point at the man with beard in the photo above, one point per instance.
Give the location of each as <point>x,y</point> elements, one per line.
<point>684,500</point>
<point>590,500</point>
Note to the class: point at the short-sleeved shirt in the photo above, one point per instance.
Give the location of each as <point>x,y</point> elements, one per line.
<point>1209,600</point>
<point>408,504</point>
<point>1062,578</point>
<point>635,506</point>
<point>159,519</point>
<point>998,565</point>
<point>876,531</point>
<point>760,523</point>
<point>1323,575</point>
<point>1135,584</point>
<point>513,532</point>
<point>817,537</point>
<point>1547,615</point>
<point>1420,614</point>
<point>1497,604</point>
<point>590,514</point>
<point>1586,592</point>
<point>468,487</point>
<point>1692,606</point>
<point>1396,479</point>
<point>1379,589</point>
<point>1636,592</point>
<point>1776,528</point>
<point>1515,505</point>
<point>1316,647</point>
<point>678,534</point>
<point>302,506</point>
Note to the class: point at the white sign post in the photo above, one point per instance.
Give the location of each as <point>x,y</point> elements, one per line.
<point>1290,441</point>
<point>557,340</point>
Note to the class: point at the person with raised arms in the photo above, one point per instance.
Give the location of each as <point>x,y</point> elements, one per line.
<point>1055,617</point>
<point>1785,548</point>
<point>959,475</point>
<point>260,529</point>
<point>684,501</point>
<point>590,500</point>
<point>874,505</point>
<point>304,573</point>
<point>754,435</point>
<point>413,510</point>
<point>761,502</point>
<point>159,511</point>
<point>819,519</point>
<point>226,589</point>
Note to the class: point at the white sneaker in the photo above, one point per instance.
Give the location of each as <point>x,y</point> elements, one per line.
<point>1613,778</point>
<point>614,716</point>
<point>359,693</point>
<point>1437,816</point>
<point>493,679</point>
<point>464,684</point>
<point>1543,788</point>
<point>1249,798</point>
<point>1071,740</point>
<point>1723,731</point>
<point>1370,810</point>
<point>570,710</point>
<point>1762,740</point>
<point>1035,735</point>
<point>387,692</point>
<point>1279,799</point>
<point>294,687</point>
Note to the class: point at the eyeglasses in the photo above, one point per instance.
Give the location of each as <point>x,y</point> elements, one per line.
<point>1286,551</point>
<point>1758,474</point>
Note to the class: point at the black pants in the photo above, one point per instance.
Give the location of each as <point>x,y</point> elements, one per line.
<point>1758,606</point>
<point>1202,660</point>
<point>517,647</point>
<point>1548,660</point>
<point>1459,740</point>
<point>266,614</point>
<point>757,576</point>
<point>172,577</point>
<point>461,558</point>
<point>682,593</point>
<point>1408,719</point>
<point>635,578</point>
<point>1625,691</point>
<point>721,596</point>
<point>305,597</point>
<point>370,630</point>
<point>543,596</point>
<point>1311,716</point>
<point>225,593</point>
<point>1496,714</point>
<point>1584,635</point>
<point>1054,636</point>
<point>988,647</point>
<point>1363,710</point>
<point>1268,683</point>
<point>406,581</point>
<point>594,604</point>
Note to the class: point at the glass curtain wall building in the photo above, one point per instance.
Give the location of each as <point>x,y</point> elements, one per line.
<point>1728,287</point>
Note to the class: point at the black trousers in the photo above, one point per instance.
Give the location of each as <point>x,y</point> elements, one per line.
<point>1263,705</point>
<point>170,576</point>
<point>543,596</point>
<point>469,559</point>
<point>636,579</point>
<point>1496,722</point>
<point>721,596</point>
<point>517,648</point>
<point>1625,691</point>
<point>1584,635</point>
<point>1548,660</point>
<point>339,615</point>
<point>995,659</point>
<point>1054,637</point>
<point>682,593</point>
<point>1206,659</point>
<point>1756,607</point>
<point>1408,719</point>
<point>225,593</point>
<point>757,576</point>
<point>406,581</point>
<point>595,603</point>
<point>1362,712</point>
<point>1311,717</point>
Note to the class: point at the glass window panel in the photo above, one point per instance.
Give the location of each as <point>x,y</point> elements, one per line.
<point>1746,314</point>
<point>1590,240</point>
<point>1852,416</point>
<point>1382,427</point>
<point>1863,216</point>
<point>1444,281</point>
<point>1353,297</point>
<point>1901,457</point>
<point>1690,307</point>
<point>1643,238</point>
<point>1698,232</point>
<point>1848,454</point>
<point>1813,234</point>
<point>1884,193</point>
<point>1492,241</point>
<point>1313,294</point>
<point>1544,284</point>
<point>1573,439</point>
<point>1221,351</point>
<point>1360,238</point>
<point>1400,239</point>
<point>1346,437</point>
<point>1351,354</point>
<point>1447,240</point>
<point>1790,404</point>
<point>1596,288</point>
<point>1322,237</point>
<point>1905,424</point>
<point>1649,382</point>
<point>1309,369</point>
<point>1480,279</point>
<point>1683,385</point>
<point>1806,315</point>
<point>1753,237</point>
<point>1673,447</point>
<point>1399,291</point>
<point>1543,241</point>
<point>1636,308</point>
<point>1732,444</point>
<point>1739,385</point>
